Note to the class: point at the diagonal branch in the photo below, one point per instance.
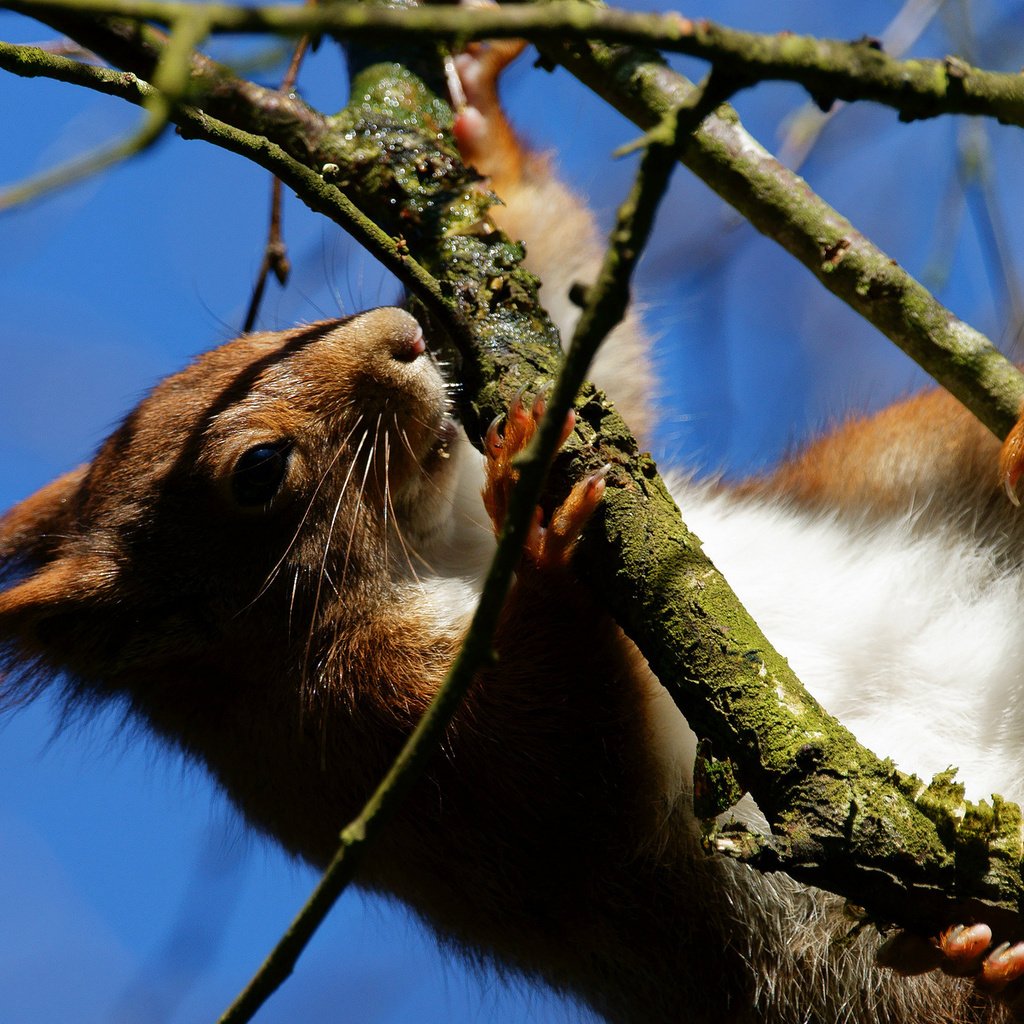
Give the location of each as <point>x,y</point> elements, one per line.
<point>781,206</point>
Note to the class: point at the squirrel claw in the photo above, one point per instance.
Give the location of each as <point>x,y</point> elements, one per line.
<point>569,519</point>
<point>963,947</point>
<point>1003,965</point>
<point>966,952</point>
<point>1011,460</point>
<point>519,424</point>
<point>567,428</point>
<point>493,442</point>
<point>551,544</point>
<point>963,951</point>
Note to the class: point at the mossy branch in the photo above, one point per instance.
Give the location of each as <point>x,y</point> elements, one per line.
<point>846,819</point>
<point>33,62</point>
<point>781,206</point>
<point>828,69</point>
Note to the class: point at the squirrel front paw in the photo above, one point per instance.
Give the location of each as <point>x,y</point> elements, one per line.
<point>967,951</point>
<point>963,951</point>
<point>550,544</point>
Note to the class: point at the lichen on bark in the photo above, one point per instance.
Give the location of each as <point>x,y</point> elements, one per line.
<point>395,152</point>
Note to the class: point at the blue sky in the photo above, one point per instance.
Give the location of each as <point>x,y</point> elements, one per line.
<point>129,891</point>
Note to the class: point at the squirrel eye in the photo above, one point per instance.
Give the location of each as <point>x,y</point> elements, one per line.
<point>258,473</point>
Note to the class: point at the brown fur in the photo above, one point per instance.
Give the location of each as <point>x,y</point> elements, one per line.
<point>290,649</point>
<point>926,455</point>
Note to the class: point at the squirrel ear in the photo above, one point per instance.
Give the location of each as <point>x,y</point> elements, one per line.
<point>50,622</point>
<point>31,531</point>
<point>50,612</point>
<point>61,586</point>
<point>47,610</point>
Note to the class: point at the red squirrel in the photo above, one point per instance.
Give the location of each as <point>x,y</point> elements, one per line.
<point>272,561</point>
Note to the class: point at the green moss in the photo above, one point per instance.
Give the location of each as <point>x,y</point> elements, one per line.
<point>393,147</point>
<point>715,787</point>
<point>943,802</point>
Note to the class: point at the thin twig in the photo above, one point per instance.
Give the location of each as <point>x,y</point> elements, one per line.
<point>275,253</point>
<point>975,170</point>
<point>28,61</point>
<point>170,82</point>
<point>605,303</point>
<point>275,258</point>
<point>82,167</point>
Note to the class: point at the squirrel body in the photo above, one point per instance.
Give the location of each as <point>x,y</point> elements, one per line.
<point>272,562</point>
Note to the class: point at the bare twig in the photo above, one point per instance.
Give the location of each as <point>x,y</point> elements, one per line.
<point>275,253</point>
<point>38,62</point>
<point>169,83</point>
<point>275,258</point>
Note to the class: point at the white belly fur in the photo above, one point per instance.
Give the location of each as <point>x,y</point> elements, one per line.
<point>914,642</point>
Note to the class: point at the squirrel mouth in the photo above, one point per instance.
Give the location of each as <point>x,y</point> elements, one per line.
<point>440,452</point>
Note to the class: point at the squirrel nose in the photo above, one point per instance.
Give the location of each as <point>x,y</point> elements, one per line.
<point>408,345</point>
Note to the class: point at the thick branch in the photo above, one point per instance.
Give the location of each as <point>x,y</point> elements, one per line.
<point>780,205</point>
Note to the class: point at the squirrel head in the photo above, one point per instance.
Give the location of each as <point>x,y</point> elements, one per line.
<point>287,474</point>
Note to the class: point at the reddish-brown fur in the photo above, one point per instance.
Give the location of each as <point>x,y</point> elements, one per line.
<point>878,465</point>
